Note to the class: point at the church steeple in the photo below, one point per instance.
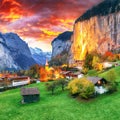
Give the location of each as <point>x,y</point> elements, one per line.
<point>46,64</point>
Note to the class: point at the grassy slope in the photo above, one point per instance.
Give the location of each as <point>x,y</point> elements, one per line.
<point>117,71</point>
<point>58,107</point>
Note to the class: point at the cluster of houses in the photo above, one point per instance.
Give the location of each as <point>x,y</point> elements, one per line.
<point>9,81</point>
<point>32,94</point>
<point>97,81</point>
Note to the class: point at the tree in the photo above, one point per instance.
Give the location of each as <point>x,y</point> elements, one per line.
<point>111,78</point>
<point>33,71</point>
<point>111,75</point>
<point>51,87</point>
<point>63,83</point>
<point>95,60</point>
<point>88,61</point>
<point>81,87</point>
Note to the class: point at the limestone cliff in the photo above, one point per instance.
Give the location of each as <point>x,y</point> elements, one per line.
<point>61,43</point>
<point>97,30</point>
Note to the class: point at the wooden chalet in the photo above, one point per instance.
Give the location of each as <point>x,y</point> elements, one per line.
<point>70,74</point>
<point>19,81</point>
<point>99,84</point>
<point>30,95</point>
<point>97,81</point>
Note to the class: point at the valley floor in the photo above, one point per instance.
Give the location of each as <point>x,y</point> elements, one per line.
<point>60,106</point>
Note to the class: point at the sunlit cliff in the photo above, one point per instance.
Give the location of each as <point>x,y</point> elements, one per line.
<point>96,32</point>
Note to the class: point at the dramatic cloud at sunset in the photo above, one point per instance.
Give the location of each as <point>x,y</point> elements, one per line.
<point>38,22</point>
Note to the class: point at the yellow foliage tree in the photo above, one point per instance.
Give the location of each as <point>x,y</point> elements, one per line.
<point>99,66</point>
<point>95,60</point>
<point>82,87</point>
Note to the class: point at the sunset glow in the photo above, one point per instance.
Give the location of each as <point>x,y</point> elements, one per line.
<point>41,20</point>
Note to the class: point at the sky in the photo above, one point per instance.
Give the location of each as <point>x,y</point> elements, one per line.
<point>38,22</point>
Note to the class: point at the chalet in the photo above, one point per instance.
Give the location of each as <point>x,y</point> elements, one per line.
<point>19,81</point>
<point>70,74</point>
<point>99,84</point>
<point>66,74</point>
<point>78,75</point>
<point>29,95</point>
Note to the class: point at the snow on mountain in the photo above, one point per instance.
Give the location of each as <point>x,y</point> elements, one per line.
<point>39,56</point>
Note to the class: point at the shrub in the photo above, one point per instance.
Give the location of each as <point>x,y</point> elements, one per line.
<point>81,87</point>
<point>62,83</point>
<point>51,87</point>
<point>55,84</point>
<point>111,78</point>
<point>73,86</point>
<point>111,87</point>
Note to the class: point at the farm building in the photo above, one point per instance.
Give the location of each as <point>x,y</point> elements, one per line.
<point>70,74</point>
<point>19,81</point>
<point>29,95</point>
<point>99,84</point>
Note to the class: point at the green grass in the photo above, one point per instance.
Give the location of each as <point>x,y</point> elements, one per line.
<point>60,106</point>
<point>117,71</point>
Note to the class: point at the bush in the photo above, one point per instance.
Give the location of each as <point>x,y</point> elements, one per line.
<point>111,87</point>
<point>62,83</point>
<point>111,78</point>
<point>81,87</point>
<point>56,84</point>
<point>51,87</point>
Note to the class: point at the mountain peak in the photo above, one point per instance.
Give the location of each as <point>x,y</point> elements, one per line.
<point>64,36</point>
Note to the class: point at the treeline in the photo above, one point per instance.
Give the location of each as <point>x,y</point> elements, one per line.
<point>104,8</point>
<point>33,71</point>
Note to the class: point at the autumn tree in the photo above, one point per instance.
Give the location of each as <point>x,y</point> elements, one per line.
<point>88,61</point>
<point>81,87</point>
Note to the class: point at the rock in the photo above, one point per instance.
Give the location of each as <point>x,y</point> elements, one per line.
<point>15,53</point>
<point>61,43</point>
<point>97,30</point>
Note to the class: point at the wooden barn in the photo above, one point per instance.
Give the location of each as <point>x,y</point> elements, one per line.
<point>30,95</point>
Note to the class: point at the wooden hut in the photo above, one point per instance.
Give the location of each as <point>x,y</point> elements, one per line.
<point>30,95</point>
<point>97,81</point>
<point>99,84</point>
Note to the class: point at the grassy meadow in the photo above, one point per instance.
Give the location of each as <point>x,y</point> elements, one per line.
<point>60,106</point>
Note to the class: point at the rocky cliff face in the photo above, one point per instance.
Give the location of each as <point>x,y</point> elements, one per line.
<point>14,52</point>
<point>97,30</point>
<point>61,43</point>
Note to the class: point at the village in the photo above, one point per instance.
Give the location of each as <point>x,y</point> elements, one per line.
<point>12,80</point>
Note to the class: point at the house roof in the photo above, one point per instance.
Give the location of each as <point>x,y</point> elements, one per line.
<point>94,80</point>
<point>66,72</point>
<point>29,91</point>
<point>19,78</point>
<point>77,73</point>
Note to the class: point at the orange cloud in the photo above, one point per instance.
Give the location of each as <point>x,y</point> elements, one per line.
<point>41,20</point>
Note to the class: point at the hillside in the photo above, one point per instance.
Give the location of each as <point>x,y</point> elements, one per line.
<point>61,106</point>
<point>15,53</point>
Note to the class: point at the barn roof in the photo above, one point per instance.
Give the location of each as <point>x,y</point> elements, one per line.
<point>19,78</point>
<point>94,80</point>
<point>29,91</point>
